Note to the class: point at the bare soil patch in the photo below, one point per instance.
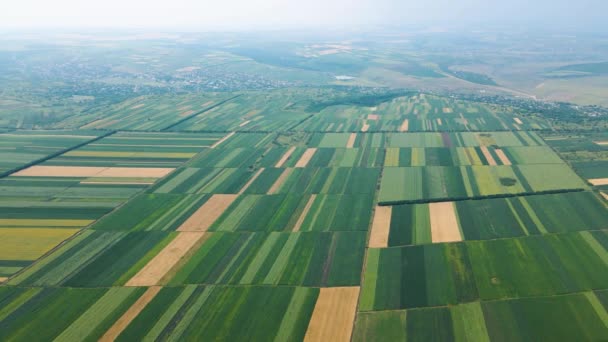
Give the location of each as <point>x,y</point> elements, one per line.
<point>188,112</point>
<point>599,181</point>
<point>92,171</point>
<point>255,176</point>
<point>306,157</point>
<point>60,171</point>
<point>518,120</point>
<point>285,157</point>
<point>279,182</point>
<point>486,153</point>
<point>217,143</point>
<point>351,140</point>
<point>380,227</point>
<point>123,322</point>
<point>142,172</point>
<point>166,259</point>
<point>208,213</point>
<point>365,127</point>
<point>374,117</point>
<point>334,314</point>
<point>444,224</point>
<point>502,156</point>
<point>405,125</point>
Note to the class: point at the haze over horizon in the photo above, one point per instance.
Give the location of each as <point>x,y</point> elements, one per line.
<point>586,15</point>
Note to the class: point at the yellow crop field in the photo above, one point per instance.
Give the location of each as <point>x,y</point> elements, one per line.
<point>30,243</point>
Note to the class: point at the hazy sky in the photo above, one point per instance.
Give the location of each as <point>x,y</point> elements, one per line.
<point>278,14</point>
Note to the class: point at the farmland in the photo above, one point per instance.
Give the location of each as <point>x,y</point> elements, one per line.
<point>278,216</point>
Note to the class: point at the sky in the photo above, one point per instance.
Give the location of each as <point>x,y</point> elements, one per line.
<point>301,14</point>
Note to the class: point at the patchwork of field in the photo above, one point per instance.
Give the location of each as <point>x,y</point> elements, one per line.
<point>572,317</point>
<point>31,229</point>
<point>488,219</point>
<point>146,113</point>
<point>253,111</point>
<point>447,274</point>
<point>144,150</point>
<point>419,113</point>
<point>587,153</point>
<point>19,149</point>
<point>266,216</point>
<point>432,183</point>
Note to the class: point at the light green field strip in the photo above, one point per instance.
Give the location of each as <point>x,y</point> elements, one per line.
<point>171,311</point>
<point>189,315</point>
<point>289,321</point>
<point>15,304</point>
<point>176,180</point>
<point>598,307</point>
<point>44,223</point>
<point>104,154</point>
<point>59,136</point>
<point>368,292</point>
<point>517,217</point>
<point>30,243</point>
<point>260,257</point>
<point>469,323</point>
<point>80,329</point>
<point>596,246</point>
<point>533,215</point>
<point>78,259</point>
<point>277,269</point>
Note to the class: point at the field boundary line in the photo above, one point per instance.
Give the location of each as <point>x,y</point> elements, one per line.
<point>56,154</point>
<point>474,198</point>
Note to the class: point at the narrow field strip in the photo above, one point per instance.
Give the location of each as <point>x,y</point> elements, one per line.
<point>248,184</point>
<point>123,322</point>
<point>518,120</point>
<point>119,183</point>
<point>487,155</point>
<point>599,181</point>
<point>302,217</point>
<point>279,182</point>
<point>334,314</point>
<point>444,223</point>
<point>351,140</point>
<point>502,156</point>
<point>93,171</point>
<point>380,227</point>
<point>166,259</point>
<point>285,157</point>
<point>365,127</point>
<point>219,142</point>
<point>405,125</point>
<point>208,213</point>
<point>306,157</point>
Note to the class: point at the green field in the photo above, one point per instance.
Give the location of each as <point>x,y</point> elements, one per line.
<point>503,217</point>
<point>256,215</point>
<point>447,274</point>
